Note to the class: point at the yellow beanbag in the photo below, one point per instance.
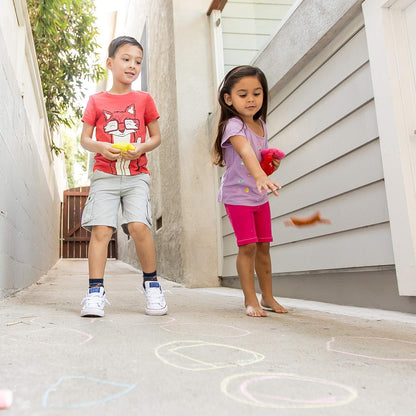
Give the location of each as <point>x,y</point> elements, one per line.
<point>123,146</point>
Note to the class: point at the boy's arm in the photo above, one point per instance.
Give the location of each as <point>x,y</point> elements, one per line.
<point>154,136</point>
<point>243,147</point>
<point>153,142</point>
<point>95,146</point>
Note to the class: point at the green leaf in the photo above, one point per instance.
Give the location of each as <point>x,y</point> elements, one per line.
<point>64,34</point>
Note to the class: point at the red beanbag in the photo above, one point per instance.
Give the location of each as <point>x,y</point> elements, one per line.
<point>267,159</point>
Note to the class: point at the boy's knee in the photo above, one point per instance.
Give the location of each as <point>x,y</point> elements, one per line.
<point>137,228</point>
<point>101,233</point>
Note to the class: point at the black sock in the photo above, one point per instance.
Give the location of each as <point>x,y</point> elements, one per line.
<point>96,282</point>
<point>149,277</point>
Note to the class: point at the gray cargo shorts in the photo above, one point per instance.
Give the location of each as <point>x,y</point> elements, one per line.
<point>108,192</point>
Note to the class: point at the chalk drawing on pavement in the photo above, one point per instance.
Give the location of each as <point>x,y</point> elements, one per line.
<point>150,320</point>
<point>376,348</point>
<point>52,336</point>
<point>205,330</point>
<point>77,391</point>
<point>283,391</point>
<point>201,355</point>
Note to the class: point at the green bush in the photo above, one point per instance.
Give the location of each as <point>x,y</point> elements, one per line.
<point>64,33</point>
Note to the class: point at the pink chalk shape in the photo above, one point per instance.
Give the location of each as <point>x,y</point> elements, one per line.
<point>6,398</point>
<point>285,391</point>
<point>393,349</point>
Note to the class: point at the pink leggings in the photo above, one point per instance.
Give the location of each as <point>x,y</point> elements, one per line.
<point>250,224</point>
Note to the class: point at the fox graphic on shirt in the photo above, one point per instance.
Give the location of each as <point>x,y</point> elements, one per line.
<point>122,127</point>
<point>120,118</point>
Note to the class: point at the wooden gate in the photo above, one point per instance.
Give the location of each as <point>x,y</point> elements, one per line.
<point>74,238</point>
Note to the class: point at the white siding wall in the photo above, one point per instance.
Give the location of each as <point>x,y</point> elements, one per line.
<point>247,26</point>
<point>391,36</point>
<point>324,119</point>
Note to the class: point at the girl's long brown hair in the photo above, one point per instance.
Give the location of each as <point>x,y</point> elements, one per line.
<point>227,112</point>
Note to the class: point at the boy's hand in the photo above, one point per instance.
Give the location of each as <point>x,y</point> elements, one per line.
<point>109,152</point>
<point>134,154</point>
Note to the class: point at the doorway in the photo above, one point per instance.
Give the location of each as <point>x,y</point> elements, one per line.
<point>73,238</point>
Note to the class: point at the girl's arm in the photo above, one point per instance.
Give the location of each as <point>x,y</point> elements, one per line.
<point>153,142</point>
<point>243,147</point>
<point>95,146</point>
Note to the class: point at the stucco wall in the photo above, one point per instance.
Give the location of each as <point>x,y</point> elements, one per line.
<point>195,96</point>
<point>182,193</point>
<point>29,197</point>
<point>156,19</point>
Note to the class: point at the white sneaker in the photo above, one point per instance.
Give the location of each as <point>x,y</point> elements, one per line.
<point>94,302</point>
<point>155,301</point>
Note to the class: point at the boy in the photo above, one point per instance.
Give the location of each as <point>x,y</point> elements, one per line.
<point>120,115</point>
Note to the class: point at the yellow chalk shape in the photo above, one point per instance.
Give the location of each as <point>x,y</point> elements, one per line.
<point>200,355</point>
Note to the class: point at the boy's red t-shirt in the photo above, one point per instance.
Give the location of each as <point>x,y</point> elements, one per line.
<point>120,118</point>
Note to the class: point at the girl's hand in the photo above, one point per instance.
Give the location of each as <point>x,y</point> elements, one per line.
<point>276,163</point>
<point>243,147</point>
<point>263,182</point>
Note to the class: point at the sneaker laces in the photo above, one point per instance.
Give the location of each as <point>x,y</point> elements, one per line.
<point>94,298</point>
<point>141,290</point>
<point>154,295</point>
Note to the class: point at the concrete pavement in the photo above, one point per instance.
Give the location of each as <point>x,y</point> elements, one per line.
<point>204,358</point>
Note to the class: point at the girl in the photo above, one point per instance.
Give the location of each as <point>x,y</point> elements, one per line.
<point>245,187</point>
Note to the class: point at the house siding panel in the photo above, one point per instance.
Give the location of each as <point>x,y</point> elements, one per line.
<point>324,119</point>
<point>247,26</point>
<point>351,94</point>
<point>309,252</point>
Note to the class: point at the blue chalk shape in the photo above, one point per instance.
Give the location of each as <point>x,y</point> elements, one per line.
<point>126,388</point>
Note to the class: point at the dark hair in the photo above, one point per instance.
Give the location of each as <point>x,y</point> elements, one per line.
<point>119,42</point>
<point>227,112</point>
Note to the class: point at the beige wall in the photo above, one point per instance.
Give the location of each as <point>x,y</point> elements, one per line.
<point>195,86</point>
<point>180,81</point>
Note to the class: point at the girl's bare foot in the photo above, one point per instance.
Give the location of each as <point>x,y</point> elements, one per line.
<point>255,311</point>
<point>273,305</point>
